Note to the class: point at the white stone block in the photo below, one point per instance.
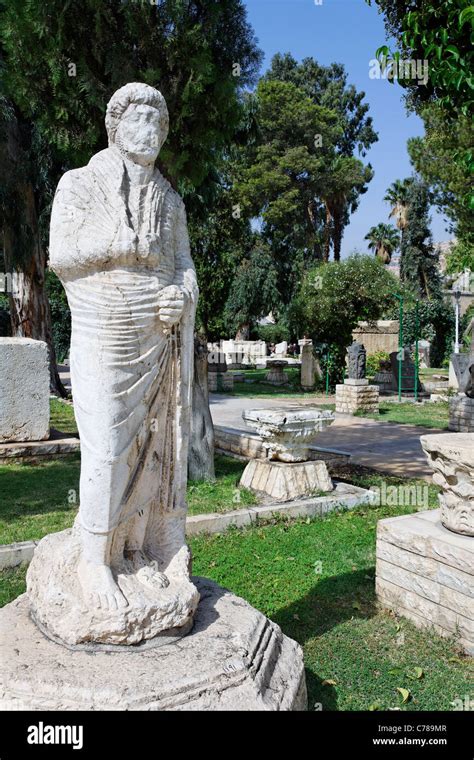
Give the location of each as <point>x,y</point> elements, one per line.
<point>24,390</point>
<point>426,573</point>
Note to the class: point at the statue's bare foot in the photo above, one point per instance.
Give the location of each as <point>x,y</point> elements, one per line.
<point>146,570</point>
<point>99,587</point>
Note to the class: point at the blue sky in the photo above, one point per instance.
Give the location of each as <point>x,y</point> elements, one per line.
<point>348,32</point>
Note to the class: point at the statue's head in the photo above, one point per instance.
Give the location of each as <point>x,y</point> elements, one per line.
<point>137,122</point>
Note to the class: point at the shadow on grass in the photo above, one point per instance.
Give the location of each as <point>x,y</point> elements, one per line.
<point>329,603</point>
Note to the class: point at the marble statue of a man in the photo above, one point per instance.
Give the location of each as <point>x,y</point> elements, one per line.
<point>120,246</point>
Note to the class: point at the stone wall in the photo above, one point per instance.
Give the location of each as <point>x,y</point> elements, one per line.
<point>378,336</point>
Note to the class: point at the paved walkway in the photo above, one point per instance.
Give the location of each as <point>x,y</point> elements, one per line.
<point>385,446</point>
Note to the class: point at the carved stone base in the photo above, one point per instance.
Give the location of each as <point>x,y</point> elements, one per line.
<point>58,607</point>
<point>284,481</point>
<point>234,659</point>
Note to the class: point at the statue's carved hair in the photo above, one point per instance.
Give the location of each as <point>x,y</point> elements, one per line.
<point>135,93</point>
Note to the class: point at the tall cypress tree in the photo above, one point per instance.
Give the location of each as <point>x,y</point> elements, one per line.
<point>419,265</point>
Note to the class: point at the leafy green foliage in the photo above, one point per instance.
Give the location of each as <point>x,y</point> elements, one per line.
<point>253,291</point>
<point>273,333</point>
<point>334,297</point>
<point>60,316</point>
<point>460,257</point>
<point>435,323</point>
<point>440,33</point>
<point>373,362</point>
<point>442,158</point>
<point>299,174</point>
<point>84,57</point>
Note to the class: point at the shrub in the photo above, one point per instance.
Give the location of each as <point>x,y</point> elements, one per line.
<point>373,362</point>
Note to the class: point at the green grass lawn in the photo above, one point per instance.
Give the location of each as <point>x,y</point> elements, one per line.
<point>432,415</point>
<point>62,417</point>
<point>259,387</point>
<point>316,580</point>
<point>43,498</point>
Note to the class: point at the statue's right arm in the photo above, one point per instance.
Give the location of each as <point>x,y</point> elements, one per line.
<point>80,235</point>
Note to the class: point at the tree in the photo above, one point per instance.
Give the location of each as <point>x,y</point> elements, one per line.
<point>253,291</point>
<point>327,86</point>
<point>83,58</point>
<point>334,297</point>
<point>438,158</point>
<point>397,197</point>
<point>346,179</point>
<point>279,176</point>
<point>220,238</point>
<point>383,240</point>
<point>419,265</point>
<point>23,190</point>
<point>439,33</point>
<point>460,257</point>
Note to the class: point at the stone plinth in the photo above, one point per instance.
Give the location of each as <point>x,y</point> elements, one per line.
<point>234,659</point>
<point>276,376</point>
<point>426,573</point>
<point>451,455</point>
<point>284,481</point>
<point>220,381</point>
<point>357,396</point>
<point>24,390</point>
<point>461,414</point>
<point>287,433</point>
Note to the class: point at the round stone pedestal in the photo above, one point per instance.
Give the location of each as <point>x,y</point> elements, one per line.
<point>233,659</point>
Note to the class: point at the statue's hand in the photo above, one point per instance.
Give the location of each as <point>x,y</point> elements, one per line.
<point>125,241</point>
<point>170,305</point>
<point>148,244</point>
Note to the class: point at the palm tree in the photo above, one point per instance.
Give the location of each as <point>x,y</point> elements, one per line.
<point>397,196</point>
<point>347,178</point>
<point>383,240</point>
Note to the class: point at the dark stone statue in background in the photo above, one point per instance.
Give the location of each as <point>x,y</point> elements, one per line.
<point>357,356</point>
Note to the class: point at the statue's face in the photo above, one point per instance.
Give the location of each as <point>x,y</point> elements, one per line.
<point>139,135</point>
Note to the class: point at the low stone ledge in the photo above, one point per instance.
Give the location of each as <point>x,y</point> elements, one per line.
<point>58,444</point>
<point>344,496</point>
<point>13,555</point>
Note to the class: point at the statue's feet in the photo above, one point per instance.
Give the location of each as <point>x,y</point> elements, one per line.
<point>146,570</point>
<point>99,587</point>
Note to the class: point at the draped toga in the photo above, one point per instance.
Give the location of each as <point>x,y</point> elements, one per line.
<point>131,375</point>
